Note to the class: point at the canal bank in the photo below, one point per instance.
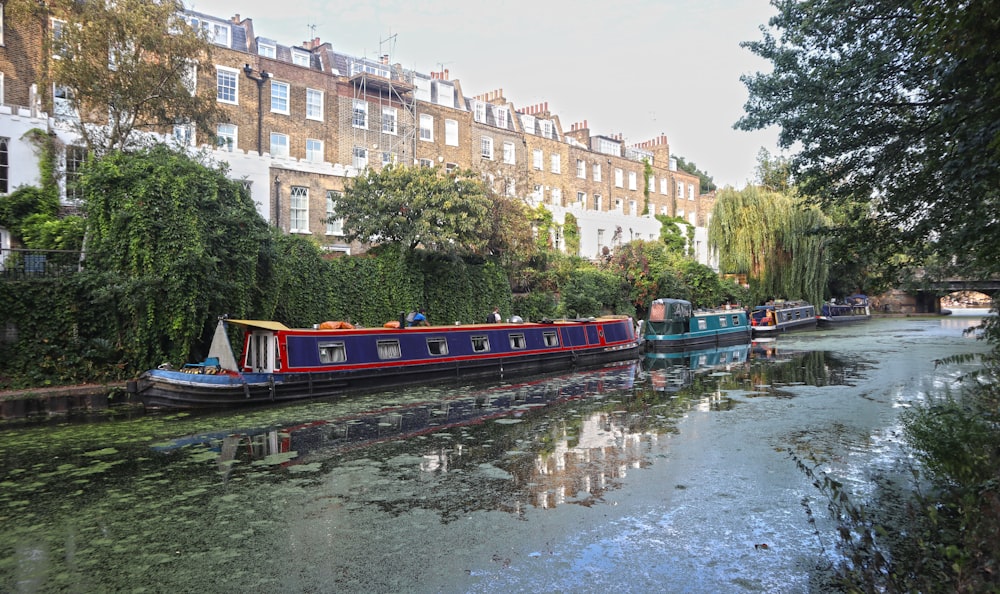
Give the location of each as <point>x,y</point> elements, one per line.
<point>63,400</point>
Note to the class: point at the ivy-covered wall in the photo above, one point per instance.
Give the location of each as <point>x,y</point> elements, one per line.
<point>67,330</point>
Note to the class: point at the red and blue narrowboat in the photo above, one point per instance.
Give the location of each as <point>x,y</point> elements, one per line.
<point>281,364</point>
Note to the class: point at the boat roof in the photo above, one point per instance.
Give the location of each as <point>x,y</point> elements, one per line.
<point>263,324</point>
<point>671,300</point>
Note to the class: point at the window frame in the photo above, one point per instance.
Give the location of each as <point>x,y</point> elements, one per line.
<point>227,139</point>
<point>426,123</point>
<point>359,114</point>
<point>298,209</point>
<point>280,99</point>
<point>312,153</point>
<point>486,147</point>
<point>220,72</point>
<point>278,136</point>
<point>334,226</point>
<point>336,348</point>
<point>390,115</point>
<point>314,111</point>
<point>451,132</point>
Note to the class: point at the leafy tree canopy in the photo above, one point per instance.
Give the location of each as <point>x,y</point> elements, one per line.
<point>706,184</point>
<point>892,101</point>
<point>131,63</point>
<point>776,240</point>
<point>414,206</point>
<point>186,239</point>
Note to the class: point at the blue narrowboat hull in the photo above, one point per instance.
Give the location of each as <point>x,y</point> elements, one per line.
<point>786,317</point>
<point>365,359</point>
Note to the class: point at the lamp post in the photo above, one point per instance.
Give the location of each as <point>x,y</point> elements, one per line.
<point>264,75</point>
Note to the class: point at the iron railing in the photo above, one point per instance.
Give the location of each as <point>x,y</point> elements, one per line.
<point>18,264</point>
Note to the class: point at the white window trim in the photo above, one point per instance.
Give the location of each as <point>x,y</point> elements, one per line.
<point>387,110</point>
<point>486,147</point>
<point>271,144</point>
<point>322,104</point>
<point>236,90</point>
<point>288,96</point>
<point>334,227</point>
<point>297,192</point>
<point>262,47</point>
<point>299,56</point>
<point>320,152</point>
<point>235,136</point>
<point>428,129</point>
<point>451,132</point>
<point>509,153</point>
<point>359,105</point>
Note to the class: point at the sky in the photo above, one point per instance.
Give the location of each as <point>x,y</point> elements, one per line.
<point>639,68</point>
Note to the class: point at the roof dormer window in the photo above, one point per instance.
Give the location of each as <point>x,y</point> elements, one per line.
<point>267,50</point>
<point>300,58</point>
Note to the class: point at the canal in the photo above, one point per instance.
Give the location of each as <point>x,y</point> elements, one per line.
<point>665,475</point>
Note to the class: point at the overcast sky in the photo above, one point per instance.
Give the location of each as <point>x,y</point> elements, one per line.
<point>638,68</point>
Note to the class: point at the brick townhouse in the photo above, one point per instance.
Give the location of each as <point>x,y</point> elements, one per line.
<point>300,121</point>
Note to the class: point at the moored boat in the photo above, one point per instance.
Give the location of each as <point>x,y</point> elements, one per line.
<point>280,364</point>
<point>672,324</point>
<point>854,309</point>
<point>780,316</point>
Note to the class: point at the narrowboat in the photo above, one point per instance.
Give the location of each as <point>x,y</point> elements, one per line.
<point>854,309</point>
<point>672,324</point>
<point>281,364</point>
<point>779,316</point>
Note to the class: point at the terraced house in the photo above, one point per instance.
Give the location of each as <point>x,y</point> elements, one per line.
<point>300,120</point>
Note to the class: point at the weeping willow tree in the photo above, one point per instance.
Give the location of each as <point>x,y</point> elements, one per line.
<point>774,239</point>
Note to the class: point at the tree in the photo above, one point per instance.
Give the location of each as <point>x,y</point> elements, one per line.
<point>774,173</point>
<point>179,244</point>
<point>776,240</point>
<point>128,66</point>
<point>414,206</point>
<point>891,102</point>
<point>706,184</point>
<point>508,231</point>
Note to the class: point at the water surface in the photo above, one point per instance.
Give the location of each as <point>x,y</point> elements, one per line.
<point>652,475</point>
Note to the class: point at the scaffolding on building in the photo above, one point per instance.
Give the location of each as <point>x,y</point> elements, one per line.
<point>389,134</point>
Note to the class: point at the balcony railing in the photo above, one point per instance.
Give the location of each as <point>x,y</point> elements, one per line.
<point>18,263</point>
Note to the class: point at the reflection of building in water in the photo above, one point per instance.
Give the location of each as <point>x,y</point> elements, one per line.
<point>588,463</point>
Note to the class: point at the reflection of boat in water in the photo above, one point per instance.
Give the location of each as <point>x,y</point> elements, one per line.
<point>779,316</point>
<point>672,325</point>
<point>854,309</point>
<point>673,371</point>
<point>400,422</point>
<point>281,364</point>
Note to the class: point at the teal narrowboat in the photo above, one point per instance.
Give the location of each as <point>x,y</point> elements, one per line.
<point>672,324</point>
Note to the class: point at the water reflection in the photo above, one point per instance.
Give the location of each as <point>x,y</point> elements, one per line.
<point>177,490</point>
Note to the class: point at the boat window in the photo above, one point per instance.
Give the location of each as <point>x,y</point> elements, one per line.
<point>723,322</point>
<point>480,344</point>
<point>388,349</point>
<point>702,324</point>
<point>437,346</point>
<point>517,341</point>
<point>551,340</point>
<point>736,320</point>
<point>332,352</point>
